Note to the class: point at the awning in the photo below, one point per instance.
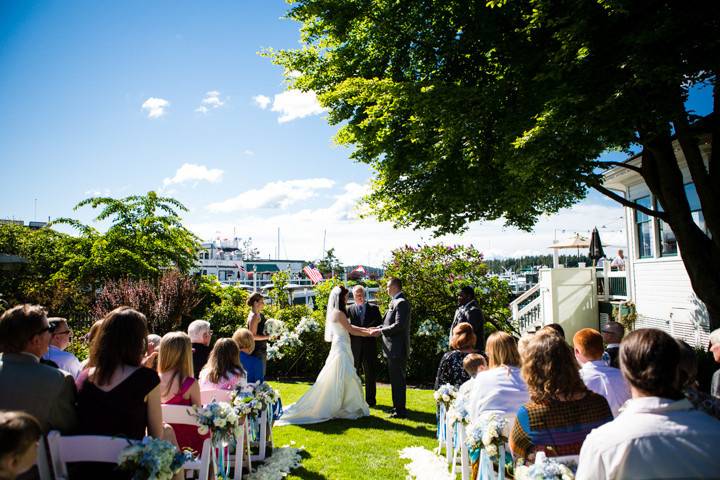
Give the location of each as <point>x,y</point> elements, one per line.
<point>261,267</point>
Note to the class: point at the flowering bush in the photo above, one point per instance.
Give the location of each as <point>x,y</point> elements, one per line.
<point>445,394</point>
<point>290,340</point>
<point>219,418</point>
<point>544,469</point>
<point>152,459</point>
<point>488,433</point>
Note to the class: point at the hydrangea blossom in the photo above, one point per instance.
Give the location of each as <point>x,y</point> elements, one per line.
<point>488,433</point>
<point>219,418</point>
<point>445,394</point>
<point>152,459</point>
<point>544,469</point>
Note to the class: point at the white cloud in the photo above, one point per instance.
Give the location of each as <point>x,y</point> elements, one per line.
<point>294,104</point>
<point>189,172</point>
<point>211,101</point>
<point>280,194</point>
<point>261,101</point>
<point>248,152</point>
<point>155,107</point>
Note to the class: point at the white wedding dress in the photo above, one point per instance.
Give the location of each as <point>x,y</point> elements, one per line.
<point>337,392</point>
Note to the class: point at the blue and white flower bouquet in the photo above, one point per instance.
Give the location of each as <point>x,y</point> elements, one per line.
<point>445,394</point>
<point>152,459</point>
<point>274,328</point>
<point>220,419</point>
<point>458,412</point>
<point>544,469</point>
<point>244,401</point>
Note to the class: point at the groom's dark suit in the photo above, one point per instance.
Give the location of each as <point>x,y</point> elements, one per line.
<point>396,347</point>
<point>364,349</point>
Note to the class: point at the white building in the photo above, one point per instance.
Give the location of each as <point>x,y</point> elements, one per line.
<point>658,283</point>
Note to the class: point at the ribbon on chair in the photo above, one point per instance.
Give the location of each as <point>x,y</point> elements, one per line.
<point>277,410</point>
<point>486,469</point>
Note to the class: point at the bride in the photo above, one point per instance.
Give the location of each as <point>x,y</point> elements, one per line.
<point>337,392</point>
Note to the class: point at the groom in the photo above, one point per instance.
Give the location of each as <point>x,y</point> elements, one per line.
<point>364,349</point>
<point>396,343</point>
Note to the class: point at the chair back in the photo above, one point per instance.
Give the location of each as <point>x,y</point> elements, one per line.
<point>82,448</point>
<point>180,415</point>
<point>207,396</point>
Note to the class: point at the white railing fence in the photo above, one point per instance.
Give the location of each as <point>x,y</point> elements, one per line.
<point>527,311</point>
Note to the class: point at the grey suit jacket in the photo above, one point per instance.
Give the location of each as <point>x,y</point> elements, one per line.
<point>40,390</point>
<point>396,328</point>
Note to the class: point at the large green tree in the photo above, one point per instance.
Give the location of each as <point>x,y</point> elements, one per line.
<point>484,109</point>
<point>145,237</point>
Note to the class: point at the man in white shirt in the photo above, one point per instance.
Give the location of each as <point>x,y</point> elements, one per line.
<point>658,435</point>
<point>618,262</point>
<point>597,375</point>
<point>60,339</point>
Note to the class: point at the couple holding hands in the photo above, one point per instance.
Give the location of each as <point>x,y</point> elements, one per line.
<point>337,392</point>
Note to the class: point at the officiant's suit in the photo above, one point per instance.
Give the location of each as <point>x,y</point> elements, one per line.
<point>396,347</point>
<point>364,349</point>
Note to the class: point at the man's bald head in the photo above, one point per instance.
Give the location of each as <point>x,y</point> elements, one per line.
<point>613,332</point>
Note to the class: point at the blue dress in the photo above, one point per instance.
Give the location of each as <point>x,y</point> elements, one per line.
<point>253,366</point>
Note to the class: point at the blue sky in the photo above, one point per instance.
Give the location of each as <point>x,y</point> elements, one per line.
<point>75,77</point>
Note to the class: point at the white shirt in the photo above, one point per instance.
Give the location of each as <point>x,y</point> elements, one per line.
<point>618,262</point>
<point>653,438</point>
<point>500,389</point>
<point>65,360</point>
<point>606,381</point>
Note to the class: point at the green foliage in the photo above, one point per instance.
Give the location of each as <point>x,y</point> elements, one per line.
<point>330,266</point>
<point>432,275</point>
<point>279,295</point>
<point>145,237</point>
<point>307,359</point>
<point>224,306</point>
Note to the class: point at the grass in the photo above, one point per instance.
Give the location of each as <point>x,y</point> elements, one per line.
<point>366,448</point>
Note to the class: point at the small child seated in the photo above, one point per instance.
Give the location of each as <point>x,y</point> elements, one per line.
<point>19,435</point>
<point>252,365</point>
<point>474,363</point>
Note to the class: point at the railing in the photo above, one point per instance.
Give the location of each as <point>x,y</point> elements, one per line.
<point>611,284</point>
<point>527,311</point>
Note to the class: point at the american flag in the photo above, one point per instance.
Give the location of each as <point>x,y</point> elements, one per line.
<point>313,273</point>
<point>240,266</point>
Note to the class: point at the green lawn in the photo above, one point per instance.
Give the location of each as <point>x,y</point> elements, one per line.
<point>359,449</point>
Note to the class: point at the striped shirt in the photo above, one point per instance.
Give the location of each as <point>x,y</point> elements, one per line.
<point>557,428</point>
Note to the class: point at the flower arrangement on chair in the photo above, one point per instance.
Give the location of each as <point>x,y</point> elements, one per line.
<point>544,468</point>
<point>444,396</point>
<point>486,439</point>
<point>224,423</point>
<point>152,459</point>
<point>251,401</point>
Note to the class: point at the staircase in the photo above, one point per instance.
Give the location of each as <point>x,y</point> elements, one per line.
<point>527,311</point>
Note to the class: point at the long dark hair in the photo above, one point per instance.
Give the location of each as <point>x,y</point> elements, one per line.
<point>121,340</point>
<point>342,301</point>
<point>224,361</point>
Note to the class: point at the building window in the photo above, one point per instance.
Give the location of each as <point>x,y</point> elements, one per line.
<point>643,227</point>
<point>666,237</point>
<point>695,209</point>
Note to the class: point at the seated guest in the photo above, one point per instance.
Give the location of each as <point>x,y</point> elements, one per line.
<point>500,388</point>
<point>200,335</point>
<point>46,393</point>
<point>153,349</point>
<point>88,340</point>
<point>223,371</point>
<point>451,369</point>
<point>19,435</point>
<point>523,341</point>
<point>554,328</point>
<point>612,333</point>
<point>59,340</point>
<point>599,377</point>
<point>658,434</point>
<point>688,382</point>
<point>117,396</point>
<point>715,349</point>
<point>473,364</point>
<point>561,411</point>
<point>253,366</point>
<point>177,385</point>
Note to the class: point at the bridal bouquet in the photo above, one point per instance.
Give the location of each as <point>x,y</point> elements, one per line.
<point>152,459</point>
<point>488,433</point>
<point>221,419</point>
<point>544,469</point>
<point>445,394</point>
<point>273,328</point>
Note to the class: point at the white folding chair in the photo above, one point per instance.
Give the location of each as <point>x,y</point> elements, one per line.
<point>265,436</point>
<point>82,448</point>
<point>180,415</point>
<point>459,447</point>
<point>207,396</point>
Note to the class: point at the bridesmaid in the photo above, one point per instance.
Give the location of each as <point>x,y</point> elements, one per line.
<point>256,325</point>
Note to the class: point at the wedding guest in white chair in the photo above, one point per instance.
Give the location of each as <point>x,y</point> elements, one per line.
<point>223,372</point>
<point>658,435</point>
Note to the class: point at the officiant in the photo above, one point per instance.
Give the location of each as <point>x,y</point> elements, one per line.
<point>364,349</point>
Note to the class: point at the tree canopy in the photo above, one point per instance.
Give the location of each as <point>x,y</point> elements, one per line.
<point>479,110</point>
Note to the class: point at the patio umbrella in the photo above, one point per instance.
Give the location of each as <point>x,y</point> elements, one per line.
<point>596,249</point>
<point>577,242</point>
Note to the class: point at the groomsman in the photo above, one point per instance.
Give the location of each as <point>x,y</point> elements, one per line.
<point>364,349</point>
<point>396,344</point>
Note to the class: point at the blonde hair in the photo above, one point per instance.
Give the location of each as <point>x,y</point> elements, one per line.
<point>501,349</point>
<point>244,339</point>
<point>176,356</point>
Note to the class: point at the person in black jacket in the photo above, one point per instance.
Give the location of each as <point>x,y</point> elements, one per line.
<point>468,311</point>
<point>364,349</point>
<point>612,333</point>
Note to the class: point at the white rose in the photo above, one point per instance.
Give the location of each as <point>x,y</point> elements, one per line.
<point>203,429</point>
<point>491,450</point>
<point>486,438</point>
<point>220,422</point>
<point>446,397</point>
